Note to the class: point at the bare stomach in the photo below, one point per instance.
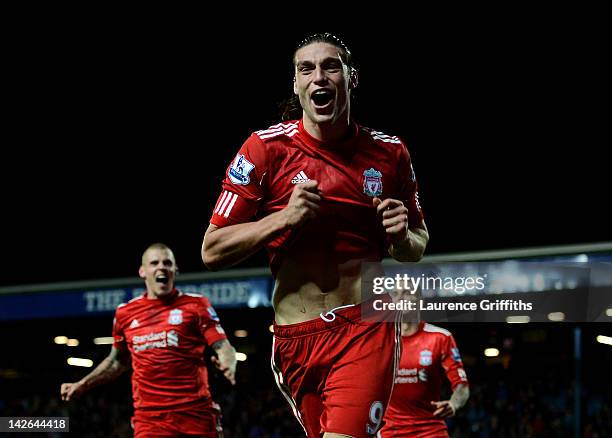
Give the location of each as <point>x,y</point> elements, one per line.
<point>303,291</point>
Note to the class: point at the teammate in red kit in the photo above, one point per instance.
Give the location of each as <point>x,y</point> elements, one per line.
<point>165,333</point>
<point>428,352</point>
<point>323,194</point>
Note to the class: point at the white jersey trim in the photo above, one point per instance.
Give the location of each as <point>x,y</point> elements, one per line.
<point>288,129</point>
<point>189,294</point>
<point>135,299</point>
<point>280,382</point>
<point>377,135</point>
<point>226,203</point>
<point>435,329</point>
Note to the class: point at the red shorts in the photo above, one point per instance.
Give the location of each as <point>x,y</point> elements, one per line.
<point>198,422</point>
<point>337,376</point>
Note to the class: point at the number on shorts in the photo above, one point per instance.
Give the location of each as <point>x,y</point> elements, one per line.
<point>376,416</point>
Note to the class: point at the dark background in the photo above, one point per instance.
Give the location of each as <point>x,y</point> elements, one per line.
<point>119,130</point>
<point>119,125</point>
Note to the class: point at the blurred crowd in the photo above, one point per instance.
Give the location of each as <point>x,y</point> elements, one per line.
<point>256,409</point>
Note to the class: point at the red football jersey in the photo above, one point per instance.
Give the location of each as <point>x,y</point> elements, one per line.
<point>427,355</point>
<point>368,164</point>
<point>166,340</point>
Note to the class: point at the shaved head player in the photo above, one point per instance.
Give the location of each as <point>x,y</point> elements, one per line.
<point>165,332</point>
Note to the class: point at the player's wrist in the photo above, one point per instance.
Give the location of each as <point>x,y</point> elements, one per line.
<point>404,241</point>
<point>402,245</point>
<point>285,220</point>
<point>81,385</point>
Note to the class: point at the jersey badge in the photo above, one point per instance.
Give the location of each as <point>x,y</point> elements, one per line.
<point>176,317</point>
<point>455,354</point>
<point>213,314</point>
<point>425,358</point>
<point>372,182</point>
<point>239,171</point>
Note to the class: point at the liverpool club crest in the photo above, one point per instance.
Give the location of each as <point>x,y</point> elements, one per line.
<point>176,317</point>
<point>425,359</point>
<point>372,182</point>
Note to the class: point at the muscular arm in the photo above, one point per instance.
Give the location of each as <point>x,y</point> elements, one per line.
<point>115,364</point>
<point>460,396</point>
<point>226,246</point>
<point>226,359</point>
<point>407,242</point>
<point>411,249</point>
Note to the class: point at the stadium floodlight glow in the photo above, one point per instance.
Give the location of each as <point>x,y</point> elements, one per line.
<point>517,319</point>
<point>491,352</point>
<point>241,357</point>
<point>608,312</point>
<point>604,339</point>
<point>80,362</point>
<point>60,340</point>
<point>241,333</point>
<point>556,316</point>
<point>271,328</point>
<point>72,343</point>
<point>106,340</point>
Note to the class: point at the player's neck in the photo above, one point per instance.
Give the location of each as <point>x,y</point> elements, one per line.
<point>165,297</point>
<point>330,131</point>
<point>409,328</point>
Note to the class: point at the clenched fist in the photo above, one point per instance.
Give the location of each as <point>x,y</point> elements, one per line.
<point>394,218</point>
<point>303,204</point>
<point>69,391</point>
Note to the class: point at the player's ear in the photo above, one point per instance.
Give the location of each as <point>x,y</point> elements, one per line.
<point>141,272</point>
<point>295,90</point>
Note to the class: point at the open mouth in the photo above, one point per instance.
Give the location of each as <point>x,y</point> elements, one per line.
<point>322,98</point>
<point>162,279</point>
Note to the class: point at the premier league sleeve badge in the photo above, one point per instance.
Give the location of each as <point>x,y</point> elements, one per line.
<point>239,171</point>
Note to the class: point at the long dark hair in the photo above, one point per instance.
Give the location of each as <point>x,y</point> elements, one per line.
<point>291,108</point>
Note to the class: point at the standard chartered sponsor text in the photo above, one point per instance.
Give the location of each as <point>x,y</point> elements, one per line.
<point>154,340</point>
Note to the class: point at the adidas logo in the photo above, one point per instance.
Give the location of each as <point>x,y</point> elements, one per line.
<point>300,178</point>
<point>134,323</point>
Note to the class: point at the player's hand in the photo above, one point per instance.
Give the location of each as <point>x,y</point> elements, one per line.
<point>69,391</point>
<point>444,409</point>
<point>394,218</point>
<point>303,204</point>
<point>226,365</point>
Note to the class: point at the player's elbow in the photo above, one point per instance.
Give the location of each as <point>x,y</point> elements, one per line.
<point>210,256</point>
<point>211,260</point>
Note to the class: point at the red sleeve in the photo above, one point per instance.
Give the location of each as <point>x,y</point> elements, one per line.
<point>242,187</point>
<point>409,193</point>
<point>452,363</point>
<point>210,326</point>
<point>118,335</point>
